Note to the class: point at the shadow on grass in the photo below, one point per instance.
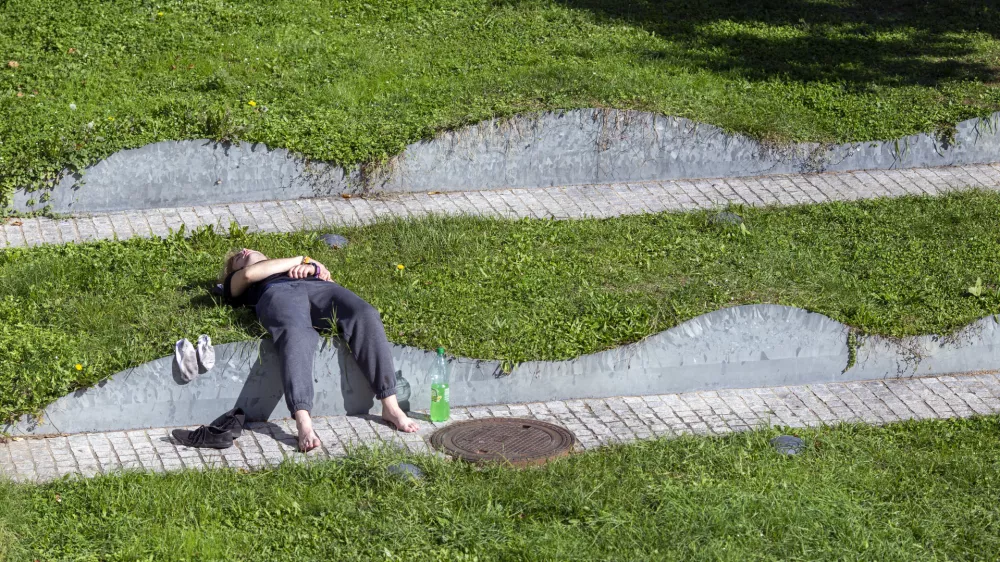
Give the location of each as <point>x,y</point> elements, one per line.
<point>245,318</point>
<point>860,43</point>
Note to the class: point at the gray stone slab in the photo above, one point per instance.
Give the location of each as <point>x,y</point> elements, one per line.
<point>974,348</point>
<point>587,146</point>
<point>738,347</point>
<point>735,347</point>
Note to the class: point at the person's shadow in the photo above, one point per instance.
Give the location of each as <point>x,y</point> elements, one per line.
<point>339,385</point>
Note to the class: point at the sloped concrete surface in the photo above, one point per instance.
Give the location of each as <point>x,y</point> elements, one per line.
<point>586,146</point>
<point>974,348</point>
<point>738,347</point>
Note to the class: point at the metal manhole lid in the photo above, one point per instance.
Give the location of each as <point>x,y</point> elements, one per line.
<point>515,440</point>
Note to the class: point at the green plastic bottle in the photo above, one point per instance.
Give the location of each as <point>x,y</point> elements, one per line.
<point>440,396</point>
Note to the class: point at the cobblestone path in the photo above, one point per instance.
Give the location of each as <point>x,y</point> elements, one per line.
<point>595,422</point>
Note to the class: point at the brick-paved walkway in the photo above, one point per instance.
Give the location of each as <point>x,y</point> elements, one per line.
<point>558,202</point>
<point>594,421</point>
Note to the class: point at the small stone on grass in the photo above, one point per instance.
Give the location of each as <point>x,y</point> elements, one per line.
<point>406,470</point>
<point>788,444</point>
<point>335,241</point>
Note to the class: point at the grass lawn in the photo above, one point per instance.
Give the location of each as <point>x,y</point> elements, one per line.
<point>911,491</point>
<point>355,81</point>
<point>512,290</point>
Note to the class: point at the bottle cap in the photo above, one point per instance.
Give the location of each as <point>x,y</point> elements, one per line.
<point>440,351</point>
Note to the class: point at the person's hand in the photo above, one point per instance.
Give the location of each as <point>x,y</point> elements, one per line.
<point>322,272</point>
<point>301,271</point>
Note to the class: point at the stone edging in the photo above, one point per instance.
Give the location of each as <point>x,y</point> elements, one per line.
<point>738,347</point>
<point>586,146</point>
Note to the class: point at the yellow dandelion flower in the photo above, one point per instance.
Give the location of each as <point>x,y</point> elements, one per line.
<point>160,14</point>
<point>252,103</point>
<point>401,267</point>
<point>79,367</point>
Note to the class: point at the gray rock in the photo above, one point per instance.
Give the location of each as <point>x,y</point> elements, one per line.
<point>788,445</point>
<point>335,241</point>
<point>406,470</point>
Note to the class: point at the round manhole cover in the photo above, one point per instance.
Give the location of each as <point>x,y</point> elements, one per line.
<point>517,441</point>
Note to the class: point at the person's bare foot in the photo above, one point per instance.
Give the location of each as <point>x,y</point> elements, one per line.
<point>307,437</point>
<point>400,421</point>
<point>393,414</point>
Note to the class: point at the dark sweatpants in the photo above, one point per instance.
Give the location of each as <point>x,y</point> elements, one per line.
<point>293,311</point>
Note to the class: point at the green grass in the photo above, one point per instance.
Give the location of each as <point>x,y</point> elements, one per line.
<point>356,81</point>
<point>511,290</point>
<point>911,491</point>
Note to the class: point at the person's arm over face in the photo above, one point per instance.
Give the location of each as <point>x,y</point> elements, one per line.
<point>264,269</point>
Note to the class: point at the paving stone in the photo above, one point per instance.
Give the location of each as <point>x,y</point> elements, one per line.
<point>550,207</point>
<point>968,179</point>
<point>797,187</point>
<point>32,232</point>
<point>327,211</point>
<point>991,175</point>
<point>259,217</point>
<point>14,234</point>
<point>277,215</point>
<point>366,211</point>
<point>768,190</point>
<point>355,211</point>
<point>582,196</point>
<point>67,230</point>
<point>309,215</point>
<point>50,231</point>
<point>396,209</point>
<point>887,183</point>
<point>222,217</point>
<point>818,190</point>
<point>157,222</point>
<point>736,187</point>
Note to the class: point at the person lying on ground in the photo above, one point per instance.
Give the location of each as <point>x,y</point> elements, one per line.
<point>295,297</point>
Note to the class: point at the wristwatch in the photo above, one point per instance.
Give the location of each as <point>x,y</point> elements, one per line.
<point>307,259</point>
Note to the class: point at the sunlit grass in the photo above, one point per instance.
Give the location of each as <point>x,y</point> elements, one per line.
<point>357,81</point>
<point>910,491</point>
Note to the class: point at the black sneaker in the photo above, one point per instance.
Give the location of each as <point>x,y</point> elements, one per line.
<point>205,436</point>
<point>232,420</point>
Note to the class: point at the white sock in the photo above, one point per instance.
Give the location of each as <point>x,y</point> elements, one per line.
<point>187,361</point>
<point>206,353</point>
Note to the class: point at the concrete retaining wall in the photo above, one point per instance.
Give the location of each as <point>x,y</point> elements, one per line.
<point>739,347</point>
<point>587,146</point>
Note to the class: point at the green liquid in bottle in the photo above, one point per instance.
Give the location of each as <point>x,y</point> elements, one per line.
<point>440,406</point>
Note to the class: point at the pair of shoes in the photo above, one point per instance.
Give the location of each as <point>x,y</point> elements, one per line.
<point>217,435</point>
<point>192,362</point>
